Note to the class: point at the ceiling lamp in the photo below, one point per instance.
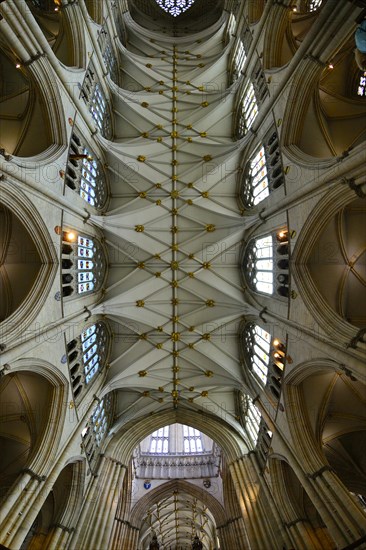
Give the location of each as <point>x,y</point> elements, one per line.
<point>175,7</point>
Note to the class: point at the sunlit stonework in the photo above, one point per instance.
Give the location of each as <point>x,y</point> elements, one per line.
<point>175,7</point>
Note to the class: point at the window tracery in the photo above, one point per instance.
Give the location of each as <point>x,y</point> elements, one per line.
<point>263,172</point>
<point>239,60</point>
<point>257,343</point>
<point>87,355</point>
<point>95,430</point>
<point>361,89</point>
<point>175,7</point>
<point>82,262</point>
<point>314,5</point>
<point>93,96</point>
<point>160,441</point>
<point>84,173</point>
<point>263,355</point>
<point>192,442</point>
<point>105,44</point>
<point>248,110</point>
<point>266,264</point>
<point>252,419</point>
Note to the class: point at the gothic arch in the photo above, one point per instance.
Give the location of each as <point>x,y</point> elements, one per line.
<point>22,110</point>
<point>62,31</point>
<point>160,492</point>
<point>255,10</point>
<point>95,10</point>
<point>331,261</point>
<point>298,512</point>
<point>33,411</point>
<point>124,441</point>
<point>58,513</point>
<point>30,219</point>
<point>332,429</point>
<point>324,118</point>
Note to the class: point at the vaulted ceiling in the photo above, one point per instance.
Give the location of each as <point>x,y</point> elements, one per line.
<point>174,230</point>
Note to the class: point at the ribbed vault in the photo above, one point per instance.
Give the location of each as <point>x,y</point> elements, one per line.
<point>174,231</point>
<point>176,512</point>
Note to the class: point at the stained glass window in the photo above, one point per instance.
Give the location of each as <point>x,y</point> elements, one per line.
<point>257,178</point>
<point>248,109</point>
<point>175,7</point>
<point>83,264</point>
<point>94,98</point>
<point>99,422</point>
<point>361,89</point>
<point>259,264</point>
<point>239,60</point>
<point>87,356</point>
<point>84,173</point>
<point>257,347</point>
<point>253,418</point>
<point>314,4</point>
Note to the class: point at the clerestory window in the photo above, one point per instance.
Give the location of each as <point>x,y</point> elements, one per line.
<point>253,420</point>
<point>93,96</point>
<point>175,7</point>
<point>257,343</point>
<point>259,264</point>
<point>248,110</point>
<point>192,441</point>
<point>314,5</point>
<point>84,173</point>
<point>160,441</point>
<point>83,264</point>
<point>361,89</point>
<point>266,264</point>
<point>108,55</point>
<point>95,430</point>
<point>87,355</point>
<point>263,172</point>
<point>239,60</point>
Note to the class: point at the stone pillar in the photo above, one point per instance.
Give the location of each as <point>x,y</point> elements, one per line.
<point>24,498</point>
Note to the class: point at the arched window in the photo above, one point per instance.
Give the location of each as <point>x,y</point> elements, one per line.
<point>239,60</point>
<point>96,429</point>
<point>192,442</point>
<point>256,188</point>
<point>175,7</point>
<point>160,441</point>
<point>266,264</point>
<point>248,109</point>
<point>93,96</point>
<point>84,173</point>
<point>313,5</point>
<point>361,89</point>
<point>253,419</point>
<point>87,356</point>
<point>259,264</point>
<point>263,442</point>
<point>263,172</point>
<point>264,356</point>
<point>108,55</point>
<point>83,264</point>
<point>257,344</point>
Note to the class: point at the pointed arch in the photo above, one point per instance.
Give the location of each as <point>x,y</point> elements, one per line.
<point>16,202</point>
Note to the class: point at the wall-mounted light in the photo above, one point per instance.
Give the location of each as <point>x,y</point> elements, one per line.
<point>17,66</point>
<point>69,236</point>
<point>330,66</point>
<point>282,235</point>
